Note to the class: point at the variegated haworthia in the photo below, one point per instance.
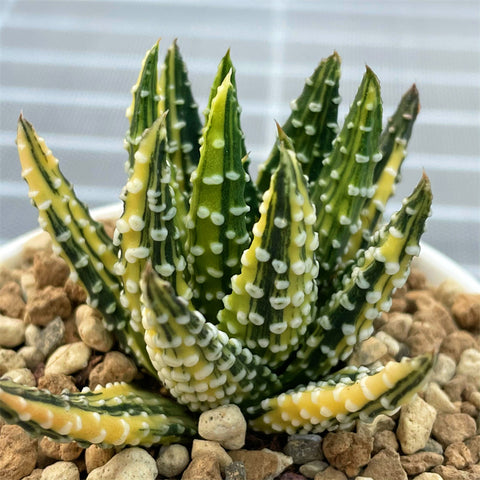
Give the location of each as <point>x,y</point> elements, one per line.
<point>227,290</point>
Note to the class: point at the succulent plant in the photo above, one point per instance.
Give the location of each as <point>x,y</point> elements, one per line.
<point>229,290</point>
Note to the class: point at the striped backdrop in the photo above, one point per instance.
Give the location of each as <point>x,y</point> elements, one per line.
<point>69,65</point>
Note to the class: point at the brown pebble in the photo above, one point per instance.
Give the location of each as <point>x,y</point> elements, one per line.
<point>347,451</point>
<point>449,472</point>
<point>260,464</point>
<point>49,269</point>
<point>473,445</point>
<point>75,292</point>
<point>201,468</point>
<point>420,462</point>
<point>385,464</point>
<point>456,343</point>
<point>424,337</point>
<point>57,382</point>
<point>385,439</point>
<point>35,475</point>
<point>46,304</point>
<point>96,456</point>
<point>416,280</point>
<point>330,473</point>
<point>11,301</point>
<point>453,427</point>
<point>458,455</point>
<point>59,451</point>
<point>437,315</point>
<point>419,300</point>
<point>116,367</point>
<point>456,387</point>
<point>18,453</point>
<point>398,325</point>
<point>469,409</point>
<point>466,311</point>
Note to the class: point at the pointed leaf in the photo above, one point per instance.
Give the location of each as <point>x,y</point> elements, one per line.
<point>346,179</point>
<point>270,305</point>
<point>217,233</point>
<point>115,415</point>
<point>312,125</point>
<point>340,400</point>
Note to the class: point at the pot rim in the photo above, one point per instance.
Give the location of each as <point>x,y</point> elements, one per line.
<point>435,265</point>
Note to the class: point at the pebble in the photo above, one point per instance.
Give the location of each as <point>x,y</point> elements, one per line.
<point>59,451</point>
<point>32,356</point>
<point>456,387</point>
<point>447,292</point>
<point>304,448</point>
<point>56,383</point>
<point>61,471</point>
<point>385,439</point>
<point>10,360</point>
<point>368,352</point>
<point>51,337</point>
<point>415,425</point>
<point>436,315</point>
<point>347,451</point>
<point>12,332</point>
<point>96,457</point>
<point>92,330</point>
<point>428,476</point>
<point>453,427</point>
<point>438,399</point>
<point>433,446</point>
<point>202,468</point>
<point>32,333</point>
<point>398,325</point>
<point>466,311</point>
<point>130,464</point>
<point>27,284</point>
<point>172,460</point>
<point>444,369</point>
<point>425,337</point>
<point>330,473</point>
<point>310,469</point>
<point>458,455</point>
<point>49,269</point>
<point>208,447</point>
<point>420,462</point>
<point>235,471</point>
<point>68,359</point>
<point>46,304</point>
<point>35,475</point>
<point>115,367</point>
<point>456,343</point>
<point>262,464</point>
<point>225,424</point>
<point>393,346</point>
<point>380,423</point>
<point>385,464</point>
<point>449,472</point>
<point>11,301</point>
<point>469,365</point>
<point>18,452</point>
<point>23,376</point>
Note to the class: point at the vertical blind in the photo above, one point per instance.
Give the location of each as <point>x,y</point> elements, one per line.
<point>69,67</point>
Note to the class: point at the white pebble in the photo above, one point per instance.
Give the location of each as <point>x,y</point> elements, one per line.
<point>12,331</point>
<point>68,359</point>
<point>225,425</point>
<point>61,471</point>
<point>130,464</point>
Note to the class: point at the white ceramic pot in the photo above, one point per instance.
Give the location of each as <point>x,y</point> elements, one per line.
<point>436,266</point>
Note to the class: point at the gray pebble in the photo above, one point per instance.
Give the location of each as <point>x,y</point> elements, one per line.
<point>304,448</point>
<point>235,471</point>
<point>51,337</point>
